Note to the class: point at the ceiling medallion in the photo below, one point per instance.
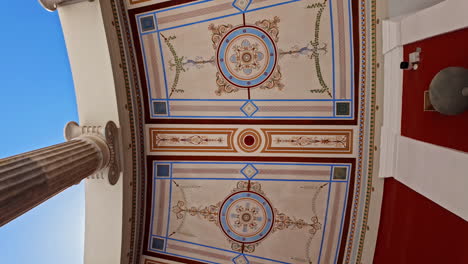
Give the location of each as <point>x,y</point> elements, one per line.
<point>246,216</point>
<point>249,140</point>
<point>247,56</point>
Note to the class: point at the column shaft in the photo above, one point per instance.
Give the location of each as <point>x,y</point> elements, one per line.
<point>28,179</point>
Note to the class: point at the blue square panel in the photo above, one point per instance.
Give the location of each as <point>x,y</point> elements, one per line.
<point>159,108</point>
<point>157,243</point>
<point>343,109</point>
<point>147,23</point>
<point>162,170</point>
<point>340,173</point>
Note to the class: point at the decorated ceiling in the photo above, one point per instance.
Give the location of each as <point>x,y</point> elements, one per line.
<point>258,119</point>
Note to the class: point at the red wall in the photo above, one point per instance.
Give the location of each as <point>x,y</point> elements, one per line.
<point>439,52</point>
<point>415,230</point>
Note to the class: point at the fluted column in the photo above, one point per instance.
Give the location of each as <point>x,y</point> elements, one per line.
<point>28,179</point>
<point>51,5</point>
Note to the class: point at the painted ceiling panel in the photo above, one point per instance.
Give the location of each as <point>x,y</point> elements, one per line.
<point>258,118</point>
<point>219,210</point>
<point>259,60</point>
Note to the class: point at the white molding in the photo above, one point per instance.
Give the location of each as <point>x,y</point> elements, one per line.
<point>438,173</point>
<point>441,18</point>
<point>392,104</point>
<point>391,34</point>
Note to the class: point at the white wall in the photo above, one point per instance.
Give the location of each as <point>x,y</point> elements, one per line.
<point>96,99</point>
<point>402,7</point>
<point>447,16</point>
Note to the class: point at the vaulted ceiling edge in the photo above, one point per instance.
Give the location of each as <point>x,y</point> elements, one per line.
<point>131,252</point>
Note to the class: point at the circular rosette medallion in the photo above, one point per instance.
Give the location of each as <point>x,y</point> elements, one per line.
<point>249,140</point>
<point>246,56</point>
<point>246,217</point>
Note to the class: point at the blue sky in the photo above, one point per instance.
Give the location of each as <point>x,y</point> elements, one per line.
<point>37,99</point>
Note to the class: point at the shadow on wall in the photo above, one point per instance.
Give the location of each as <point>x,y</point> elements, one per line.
<point>401,7</point>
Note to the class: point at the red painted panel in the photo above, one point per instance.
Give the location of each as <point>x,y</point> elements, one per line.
<point>437,53</point>
<point>413,229</point>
